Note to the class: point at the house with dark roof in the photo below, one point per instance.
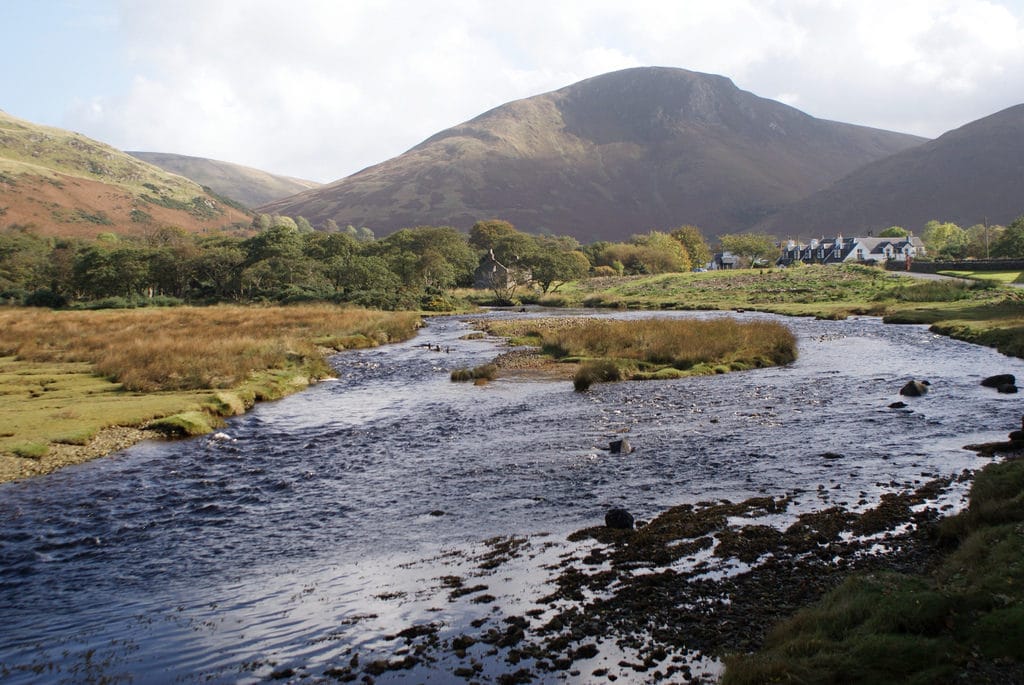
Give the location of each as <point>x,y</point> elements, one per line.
<point>863,250</point>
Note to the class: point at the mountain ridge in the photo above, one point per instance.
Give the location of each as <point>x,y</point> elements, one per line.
<point>247,185</point>
<point>616,154</point>
<point>969,175</point>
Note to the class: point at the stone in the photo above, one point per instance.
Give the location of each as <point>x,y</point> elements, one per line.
<point>999,380</point>
<point>620,446</point>
<point>914,388</point>
<point>898,405</point>
<point>618,518</point>
<point>1007,389</point>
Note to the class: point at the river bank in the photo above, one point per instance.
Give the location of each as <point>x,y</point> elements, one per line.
<point>78,385</point>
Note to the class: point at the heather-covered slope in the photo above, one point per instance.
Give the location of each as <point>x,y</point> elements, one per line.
<point>968,176</point>
<point>251,187</point>
<point>55,182</point>
<point>607,157</point>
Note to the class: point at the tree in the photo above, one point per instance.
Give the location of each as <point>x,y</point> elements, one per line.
<point>981,239</point>
<point>696,246</point>
<point>751,247</point>
<point>485,234</point>
<point>894,232</point>
<point>944,240</point>
<point>1011,244</point>
<point>553,268</point>
<point>428,257</point>
<point>303,225</point>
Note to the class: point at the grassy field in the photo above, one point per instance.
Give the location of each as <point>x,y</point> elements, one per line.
<point>65,377</point>
<point>652,349</point>
<point>997,276</point>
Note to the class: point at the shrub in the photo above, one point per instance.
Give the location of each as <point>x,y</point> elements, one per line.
<point>486,372</point>
<point>600,371</point>
<point>44,297</point>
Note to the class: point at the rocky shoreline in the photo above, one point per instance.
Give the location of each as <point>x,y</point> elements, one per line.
<point>668,598</point>
<point>105,442</point>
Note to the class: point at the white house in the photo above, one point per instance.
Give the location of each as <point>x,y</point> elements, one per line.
<point>860,249</point>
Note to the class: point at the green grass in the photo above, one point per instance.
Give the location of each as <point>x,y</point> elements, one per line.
<point>929,628</point>
<point>997,276</point>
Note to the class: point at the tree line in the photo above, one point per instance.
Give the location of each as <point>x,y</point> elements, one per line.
<point>284,260</point>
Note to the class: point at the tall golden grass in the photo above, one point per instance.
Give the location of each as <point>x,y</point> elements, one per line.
<point>192,348</point>
<point>681,343</point>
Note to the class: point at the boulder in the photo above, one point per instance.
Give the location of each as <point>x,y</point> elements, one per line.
<point>1007,389</point>
<point>914,388</point>
<point>620,446</point>
<point>618,518</point>
<point>1000,380</point>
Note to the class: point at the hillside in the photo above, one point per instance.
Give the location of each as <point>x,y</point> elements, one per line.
<point>607,157</point>
<point>60,183</point>
<point>248,186</point>
<point>968,176</point>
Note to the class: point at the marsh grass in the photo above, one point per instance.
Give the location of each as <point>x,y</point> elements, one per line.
<point>484,372</point>
<point>653,349</point>
<point>66,376</point>
<point>889,627</point>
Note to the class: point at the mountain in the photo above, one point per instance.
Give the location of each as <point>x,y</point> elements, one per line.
<point>607,157</point>
<point>248,186</point>
<point>967,176</point>
<point>60,183</point>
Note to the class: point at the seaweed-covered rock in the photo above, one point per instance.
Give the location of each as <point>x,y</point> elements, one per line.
<point>999,380</point>
<point>618,518</point>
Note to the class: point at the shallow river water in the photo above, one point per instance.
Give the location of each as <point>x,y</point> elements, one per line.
<point>286,546</point>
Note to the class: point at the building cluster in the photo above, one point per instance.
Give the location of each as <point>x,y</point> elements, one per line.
<point>865,250</point>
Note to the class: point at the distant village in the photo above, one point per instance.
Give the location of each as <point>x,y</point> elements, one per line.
<point>863,250</point>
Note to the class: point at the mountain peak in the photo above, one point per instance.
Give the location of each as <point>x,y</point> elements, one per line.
<point>615,154</point>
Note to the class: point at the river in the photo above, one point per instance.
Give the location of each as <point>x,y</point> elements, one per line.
<point>324,522</point>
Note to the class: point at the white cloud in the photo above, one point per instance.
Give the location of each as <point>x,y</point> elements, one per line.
<point>319,88</point>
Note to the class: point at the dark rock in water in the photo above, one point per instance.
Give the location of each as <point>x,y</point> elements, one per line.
<point>437,512</point>
<point>897,405</point>
<point>618,518</point>
<point>999,380</point>
<point>914,388</point>
<point>831,455</point>
<point>620,446</point>
<point>1007,389</point>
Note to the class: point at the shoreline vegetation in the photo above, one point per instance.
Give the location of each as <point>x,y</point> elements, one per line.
<point>649,349</point>
<point>76,385</point>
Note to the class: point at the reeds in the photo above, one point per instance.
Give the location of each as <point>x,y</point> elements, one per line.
<point>680,343</point>
<point>189,348</point>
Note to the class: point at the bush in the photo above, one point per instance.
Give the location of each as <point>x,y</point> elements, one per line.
<point>44,297</point>
<point>601,371</point>
<point>487,372</point>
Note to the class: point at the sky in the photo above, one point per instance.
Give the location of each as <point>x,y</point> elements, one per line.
<point>318,89</point>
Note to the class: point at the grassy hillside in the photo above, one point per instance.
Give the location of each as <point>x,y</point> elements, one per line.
<point>57,182</point>
<point>251,187</point>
